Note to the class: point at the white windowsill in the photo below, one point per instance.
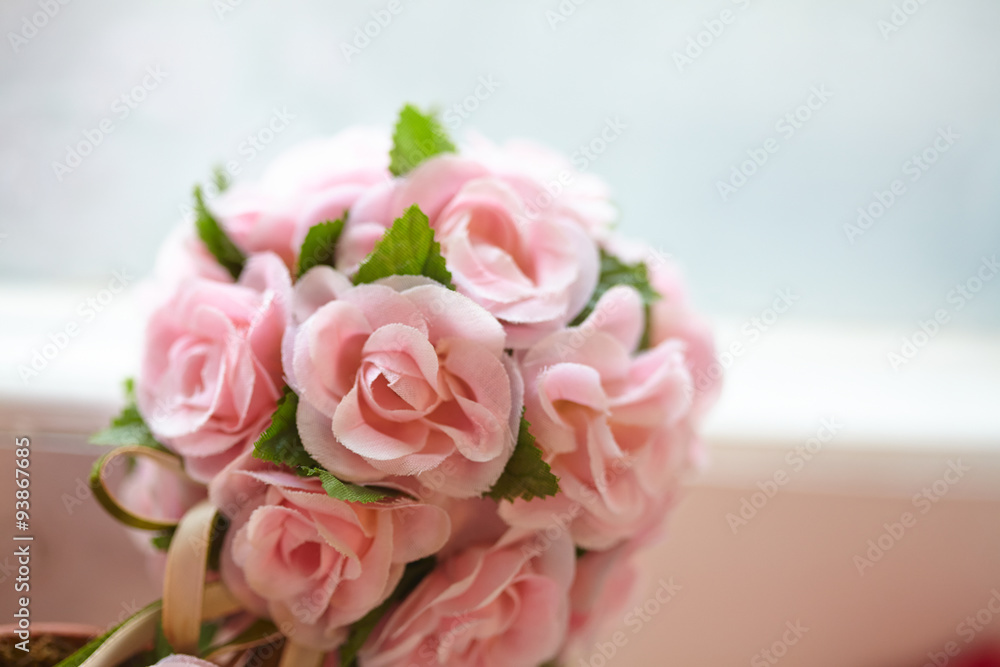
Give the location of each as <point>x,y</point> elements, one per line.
<point>898,429</point>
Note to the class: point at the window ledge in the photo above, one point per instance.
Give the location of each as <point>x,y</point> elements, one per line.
<point>874,430</point>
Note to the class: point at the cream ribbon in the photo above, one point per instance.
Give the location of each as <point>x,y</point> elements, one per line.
<point>187,599</point>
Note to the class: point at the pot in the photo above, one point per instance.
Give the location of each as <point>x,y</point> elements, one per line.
<point>49,643</point>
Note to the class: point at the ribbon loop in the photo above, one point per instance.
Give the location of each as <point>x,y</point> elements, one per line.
<point>184,579</point>
<point>108,500</point>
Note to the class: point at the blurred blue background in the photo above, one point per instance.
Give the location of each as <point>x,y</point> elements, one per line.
<point>700,87</point>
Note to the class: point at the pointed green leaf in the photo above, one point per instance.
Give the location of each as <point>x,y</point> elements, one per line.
<point>281,443</point>
<point>407,249</point>
<point>320,245</point>
<point>220,179</point>
<point>418,136</point>
<point>526,475</point>
<point>215,238</point>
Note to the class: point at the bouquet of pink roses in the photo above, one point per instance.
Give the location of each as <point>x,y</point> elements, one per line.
<point>402,404</point>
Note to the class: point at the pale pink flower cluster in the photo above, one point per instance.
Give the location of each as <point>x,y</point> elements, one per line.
<point>407,384</point>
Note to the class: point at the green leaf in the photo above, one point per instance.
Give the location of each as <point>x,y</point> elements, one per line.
<point>161,541</point>
<point>220,179</point>
<point>128,428</point>
<point>407,249</point>
<point>161,646</point>
<point>215,238</point>
<point>281,443</point>
<point>418,136</point>
<point>348,492</point>
<point>320,245</point>
<point>616,272</point>
<point>208,632</point>
<point>526,475</point>
<point>361,630</point>
<point>88,649</point>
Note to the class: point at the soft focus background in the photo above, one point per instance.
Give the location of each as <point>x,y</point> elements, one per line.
<point>228,65</point>
<point>842,99</point>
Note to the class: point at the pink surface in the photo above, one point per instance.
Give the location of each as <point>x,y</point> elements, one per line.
<point>793,563</point>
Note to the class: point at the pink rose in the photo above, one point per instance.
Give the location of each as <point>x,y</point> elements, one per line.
<point>401,378</point>
<point>603,586</point>
<point>314,563</point>
<point>504,605</point>
<point>178,660</point>
<point>673,317</point>
<point>183,256</point>
<point>580,196</point>
<point>211,371</point>
<point>311,183</point>
<point>613,426</point>
<point>533,273</point>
